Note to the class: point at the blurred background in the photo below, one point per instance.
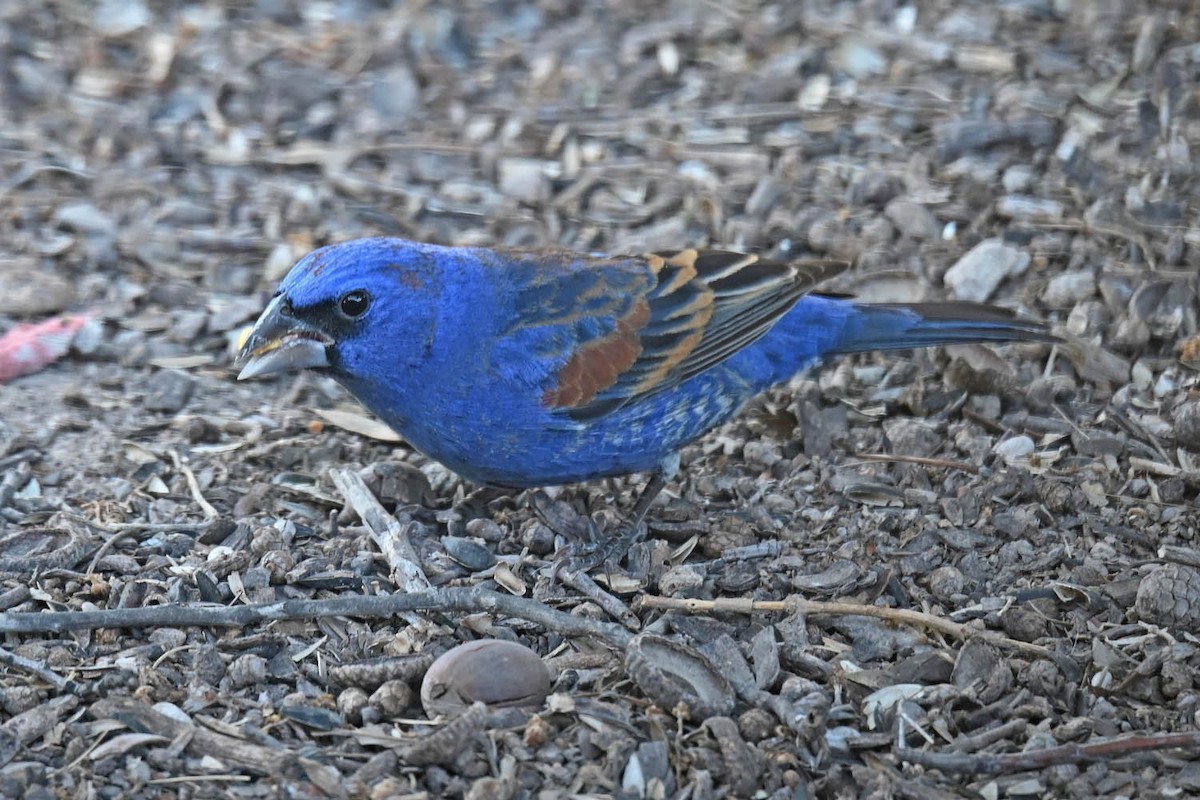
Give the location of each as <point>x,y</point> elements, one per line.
<point>156,146</point>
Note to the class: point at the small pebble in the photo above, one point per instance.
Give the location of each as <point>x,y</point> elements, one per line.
<point>1067,289</point>
<point>523,179</point>
<point>1018,206</point>
<point>945,582</point>
<point>392,697</point>
<point>1015,450</point>
<point>978,274</point>
<point>247,670</point>
<point>1186,421</point>
<point>755,724</point>
<point>1017,178</point>
<point>171,391</point>
<point>485,529</point>
<point>681,581</point>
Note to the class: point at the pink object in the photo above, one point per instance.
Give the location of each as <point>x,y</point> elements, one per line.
<point>31,346</point>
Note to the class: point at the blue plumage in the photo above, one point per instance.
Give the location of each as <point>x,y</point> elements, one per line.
<point>524,368</point>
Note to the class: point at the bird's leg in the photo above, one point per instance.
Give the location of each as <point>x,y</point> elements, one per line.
<point>616,544</point>
<point>475,503</point>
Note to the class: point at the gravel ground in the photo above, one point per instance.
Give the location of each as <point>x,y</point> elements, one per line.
<point>969,572</point>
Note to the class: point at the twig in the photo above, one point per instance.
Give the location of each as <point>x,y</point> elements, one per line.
<point>579,661</point>
<point>104,549</point>
<point>194,486</point>
<point>1007,730</point>
<point>14,597</point>
<point>473,600</point>
<point>34,668</point>
<point>199,779</point>
<point>1135,429</point>
<point>922,460</point>
<point>386,530</point>
<point>32,724</point>
<point>126,527</point>
<point>994,764</point>
<point>121,530</point>
<point>142,717</point>
<point>15,458</point>
<point>581,582</point>
<point>768,548</point>
<point>1179,554</point>
<point>795,604</point>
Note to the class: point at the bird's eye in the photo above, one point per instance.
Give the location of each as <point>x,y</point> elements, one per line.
<point>354,304</point>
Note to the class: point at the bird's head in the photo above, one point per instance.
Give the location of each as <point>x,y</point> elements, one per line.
<point>353,309</point>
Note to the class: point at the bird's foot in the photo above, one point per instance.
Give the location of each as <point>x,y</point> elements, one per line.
<point>478,502</point>
<point>602,548</point>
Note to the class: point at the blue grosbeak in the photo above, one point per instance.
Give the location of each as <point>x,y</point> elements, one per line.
<point>520,368</point>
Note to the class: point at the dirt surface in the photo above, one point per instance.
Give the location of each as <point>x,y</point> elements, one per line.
<point>162,165</point>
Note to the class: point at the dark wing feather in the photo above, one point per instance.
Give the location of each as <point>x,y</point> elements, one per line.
<point>701,307</point>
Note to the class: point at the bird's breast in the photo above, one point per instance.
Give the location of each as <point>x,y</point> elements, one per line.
<point>503,434</point>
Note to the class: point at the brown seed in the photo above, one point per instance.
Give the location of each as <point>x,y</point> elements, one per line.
<point>490,671</point>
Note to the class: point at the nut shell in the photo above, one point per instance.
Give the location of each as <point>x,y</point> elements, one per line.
<point>676,677</point>
<point>498,673</point>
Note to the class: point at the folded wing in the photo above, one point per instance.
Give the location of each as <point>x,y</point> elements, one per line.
<point>688,311</point>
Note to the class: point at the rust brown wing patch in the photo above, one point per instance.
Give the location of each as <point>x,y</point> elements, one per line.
<point>691,310</point>
<point>596,366</point>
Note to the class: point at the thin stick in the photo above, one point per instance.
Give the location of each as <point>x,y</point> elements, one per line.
<point>200,779</point>
<point>140,716</point>
<point>473,600</point>
<point>121,530</point>
<point>194,486</point>
<point>922,460</point>
<point>34,668</point>
<point>104,549</point>
<point>14,597</point>
<point>1006,730</point>
<point>993,764</point>
<point>581,582</point>
<point>386,530</point>
<point>125,527</point>
<point>795,604</point>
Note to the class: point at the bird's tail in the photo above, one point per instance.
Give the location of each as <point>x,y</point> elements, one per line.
<point>904,326</point>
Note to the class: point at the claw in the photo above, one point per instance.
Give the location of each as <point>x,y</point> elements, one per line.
<point>600,549</point>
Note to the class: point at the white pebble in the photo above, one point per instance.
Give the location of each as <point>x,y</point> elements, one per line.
<point>976,275</point>
<point>1015,450</point>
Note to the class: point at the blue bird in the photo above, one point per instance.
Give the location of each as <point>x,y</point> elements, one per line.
<point>521,368</point>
